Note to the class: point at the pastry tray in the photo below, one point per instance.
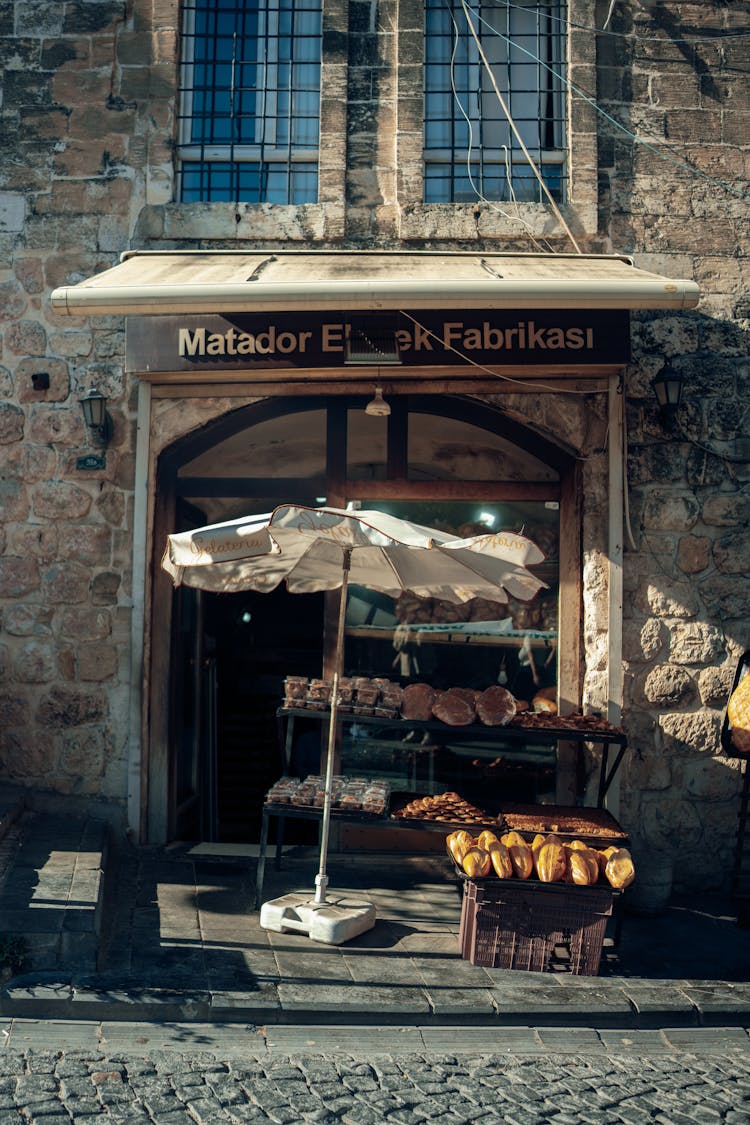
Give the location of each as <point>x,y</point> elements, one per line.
<point>568,822</point>
<point>400,800</point>
<point>289,808</point>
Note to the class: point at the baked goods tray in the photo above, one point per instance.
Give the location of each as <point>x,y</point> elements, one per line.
<point>440,820</point>
<point>288,808</point>
<point>569,822</point>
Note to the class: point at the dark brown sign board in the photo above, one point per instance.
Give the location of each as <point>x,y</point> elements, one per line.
<point>425,338</point>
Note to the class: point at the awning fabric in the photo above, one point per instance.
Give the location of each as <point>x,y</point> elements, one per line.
<point>148,282</point>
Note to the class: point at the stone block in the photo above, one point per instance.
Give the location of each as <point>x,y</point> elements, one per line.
<point>668,686</point>
<point>156,15</point>
<point>65,585</point>
<point>688,733</point>
<point>731,553</point>
<point>51,425</point>
<point>82,754</point>
<point>13,300</point>
<point>79,87</point>
<point>735,128</point>
<point>135,48</point>
<point>60,500</point>
<point>84,17</point>
<point>727,509</point>
<point>13,710</point>
<point>59,380</point>
<point>671,511</point>
<point>708,779</point>
<point>694,553</point>
<point>44,18</point>
<point>90,544</point>
<point>91,157</point>
<point>29,272</point>
<point>28,620</point>
<point>104,588</point>
<point>96,663</point>
<point>11,423</point>
<point>695,643</point>
<point>715,685</point>
<point>72,342</point>
<point>28,464</point>
<point>12,211</point>
<point>34,664</point>
<point>65,707</point>
<point>85,624</point>
<point>93,121</point>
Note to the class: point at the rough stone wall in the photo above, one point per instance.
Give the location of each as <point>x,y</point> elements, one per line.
<point>87,126</point>
<point>77,162</point>
<point>683,88</point>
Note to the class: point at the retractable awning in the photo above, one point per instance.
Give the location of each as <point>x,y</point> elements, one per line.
<point>148,282</point>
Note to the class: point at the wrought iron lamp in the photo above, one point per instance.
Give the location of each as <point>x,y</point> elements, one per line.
<point>668,390</point>
<point>95,415</point>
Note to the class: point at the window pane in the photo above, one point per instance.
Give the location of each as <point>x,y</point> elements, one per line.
<point>251,181</point>
<point>524,48</point>
<point>250,78</point>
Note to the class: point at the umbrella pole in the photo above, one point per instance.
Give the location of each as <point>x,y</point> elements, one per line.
<point>321,879</point>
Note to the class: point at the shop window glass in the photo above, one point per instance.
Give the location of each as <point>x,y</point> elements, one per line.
<point>510,642</point>
<point>443,448</point>
<point>290,445</point>
<point>250,101</point>
<point>475,645</point>
<point>367,439</point>
<point>470,149</point>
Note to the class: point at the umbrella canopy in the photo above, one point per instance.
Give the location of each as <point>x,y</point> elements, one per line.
<point>314,549</point>
<point>304,547</point>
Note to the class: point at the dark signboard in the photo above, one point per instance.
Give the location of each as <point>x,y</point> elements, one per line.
<point>425,338</point>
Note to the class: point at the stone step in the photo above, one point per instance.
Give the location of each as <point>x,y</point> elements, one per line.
<point>51,890</point>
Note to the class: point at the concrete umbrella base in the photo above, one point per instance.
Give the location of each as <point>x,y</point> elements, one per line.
<point>340,918</point>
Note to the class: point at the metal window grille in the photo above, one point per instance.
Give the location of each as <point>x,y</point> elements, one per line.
<point>470,150</point>
<point>249,104</point>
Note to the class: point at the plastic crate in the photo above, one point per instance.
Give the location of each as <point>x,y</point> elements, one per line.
<point>542,927</point>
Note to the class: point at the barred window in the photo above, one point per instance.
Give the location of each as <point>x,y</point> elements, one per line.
<point>471,150</point>
<point>249,124</point>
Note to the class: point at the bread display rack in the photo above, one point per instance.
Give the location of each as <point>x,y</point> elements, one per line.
<point>537,729</point>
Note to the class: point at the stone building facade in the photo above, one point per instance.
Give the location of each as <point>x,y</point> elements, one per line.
<point>659,169</point>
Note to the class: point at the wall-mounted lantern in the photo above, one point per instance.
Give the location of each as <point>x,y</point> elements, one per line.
<point>95,415</point>
<point>667,387</point>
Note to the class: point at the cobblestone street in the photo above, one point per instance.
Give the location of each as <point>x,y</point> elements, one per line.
<point>615,1080</point>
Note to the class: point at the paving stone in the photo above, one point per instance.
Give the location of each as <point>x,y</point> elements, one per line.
<point>716,1001</point>
<point>708,1038</point>
<point>639,1041</point>
<point>327,998</point>
<point>660,1002</point>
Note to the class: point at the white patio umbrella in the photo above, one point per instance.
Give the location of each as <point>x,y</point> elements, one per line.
<point>313,549</point>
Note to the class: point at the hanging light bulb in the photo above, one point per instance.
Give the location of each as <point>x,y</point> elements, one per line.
<point>377,407</point>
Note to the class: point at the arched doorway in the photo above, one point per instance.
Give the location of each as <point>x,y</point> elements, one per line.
<point>441,460</point>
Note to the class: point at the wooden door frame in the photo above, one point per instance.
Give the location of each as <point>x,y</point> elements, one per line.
<point>156,767</point>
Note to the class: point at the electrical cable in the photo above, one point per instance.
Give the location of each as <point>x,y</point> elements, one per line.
<point>496,375</point>
<point>470,125</point>
<point>625,488</point>
<point>718,38</point>
<point>514,127</point>
<point>731,460</point>
<point>610,13</point>
<point>652,147</point>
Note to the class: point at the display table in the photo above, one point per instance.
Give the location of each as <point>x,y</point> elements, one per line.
<point>546,731</point>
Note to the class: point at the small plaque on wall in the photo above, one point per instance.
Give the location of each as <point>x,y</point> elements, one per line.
<point>92,461</point>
